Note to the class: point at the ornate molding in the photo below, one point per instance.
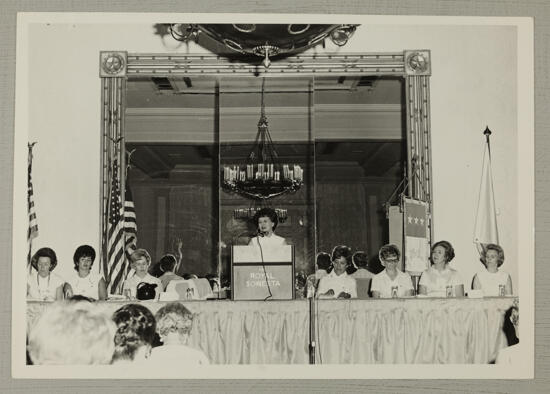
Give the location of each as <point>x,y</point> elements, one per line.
<point>418,62</point>
<point>179,64</point>
<point>112,64</point>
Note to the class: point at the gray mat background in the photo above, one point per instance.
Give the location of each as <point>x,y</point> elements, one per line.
<point>540,9</point>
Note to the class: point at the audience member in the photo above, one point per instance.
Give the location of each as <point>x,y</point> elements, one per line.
<point>391,282</point>
<point>492,281</point>
<point>440,280</point>
<point>73,333</point>
<point>174,324</point>
<point>510,326</point>
<point>135,333</point>
<point>84,281</point>
<point>140,261</point>
<point>338,284</point>
<point>42,283</point>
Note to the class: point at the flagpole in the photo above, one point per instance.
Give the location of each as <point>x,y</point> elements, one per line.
<point>486,228</point>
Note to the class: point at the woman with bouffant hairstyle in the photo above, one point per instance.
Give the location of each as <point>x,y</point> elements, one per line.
<point>42,283</point>
<point>440,280</point>
<point>174,324</point>
<point>134,335</point>
<point>75,333</point>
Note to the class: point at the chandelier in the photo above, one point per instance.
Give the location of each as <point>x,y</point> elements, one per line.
<point>266,40</point>
<point>261,176</point>
<point>249,213</point>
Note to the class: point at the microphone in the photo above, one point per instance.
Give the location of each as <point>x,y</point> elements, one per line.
<point>261,233</point>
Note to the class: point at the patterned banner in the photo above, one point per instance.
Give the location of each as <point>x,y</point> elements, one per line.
<point>417,250</point>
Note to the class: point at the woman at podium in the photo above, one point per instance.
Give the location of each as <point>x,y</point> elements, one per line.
<point>266,221</point>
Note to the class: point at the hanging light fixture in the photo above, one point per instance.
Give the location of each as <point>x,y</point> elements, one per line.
<point>265,40</point>
<point>261,176</point>
<point>250,212</point>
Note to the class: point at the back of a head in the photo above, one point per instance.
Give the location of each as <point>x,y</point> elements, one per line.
<point>76,333</point>
<point>173,318</point>
<point>167,263</point>
<point>323,261</point>
<point>135,328</point>
<point>360,259</point>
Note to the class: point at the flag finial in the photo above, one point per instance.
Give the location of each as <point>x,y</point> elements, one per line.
<point>487,132</point>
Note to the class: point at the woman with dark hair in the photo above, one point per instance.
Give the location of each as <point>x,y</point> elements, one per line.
<point>440,280</point>
<point>338,284</point>
<point>42,284</point>
<point>135,333</point>
<point>492,281</point>
<point>167,265</point>
<point>84,281</point>
<point>266,221</point>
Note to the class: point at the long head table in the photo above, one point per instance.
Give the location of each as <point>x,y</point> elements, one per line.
<point>415,330</point>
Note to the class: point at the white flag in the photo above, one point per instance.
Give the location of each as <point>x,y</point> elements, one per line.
<point>486,231</point>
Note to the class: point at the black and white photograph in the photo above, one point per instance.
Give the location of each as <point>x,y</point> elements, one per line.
<point>277,196</point>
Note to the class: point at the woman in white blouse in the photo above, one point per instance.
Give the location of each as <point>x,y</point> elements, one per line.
<point>392,282</point>
<point>42,283</point>
<point>440,280</point>
<point>84,281</point>
<point>492,281</point>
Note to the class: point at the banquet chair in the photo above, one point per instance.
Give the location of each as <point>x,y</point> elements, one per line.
<point>204,289</point>
<point>363,288</point>
<point>186,289</point>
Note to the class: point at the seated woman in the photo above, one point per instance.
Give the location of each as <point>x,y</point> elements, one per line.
<point>84,281</point>
<point>167,265</point>
<point>440,280</point>
<point>266,221</point>
<point>323,264</point>
<point>134,335</point>
<point>62,335</point>
<point>174,322</point>
<point>360,260</point>
<point>391,283</point>
<point>491,280</point>
<point>338,284</point>
<point>42,284</point>
<point>362,275</point>
<point>140,261</point>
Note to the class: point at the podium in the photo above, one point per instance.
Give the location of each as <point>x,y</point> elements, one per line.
<point>255,272</point>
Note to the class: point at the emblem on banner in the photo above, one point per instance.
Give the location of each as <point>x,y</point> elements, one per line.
<point>417,250</point>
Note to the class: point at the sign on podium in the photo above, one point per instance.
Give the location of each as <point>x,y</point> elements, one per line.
<point>256,272</point>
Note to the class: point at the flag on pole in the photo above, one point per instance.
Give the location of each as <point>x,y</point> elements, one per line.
<point>32,231</point>
<point>486,231</point>
<point>121,234</point>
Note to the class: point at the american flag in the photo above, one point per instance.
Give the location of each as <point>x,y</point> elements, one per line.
<point>32,231</point>
<point>121,234</point>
